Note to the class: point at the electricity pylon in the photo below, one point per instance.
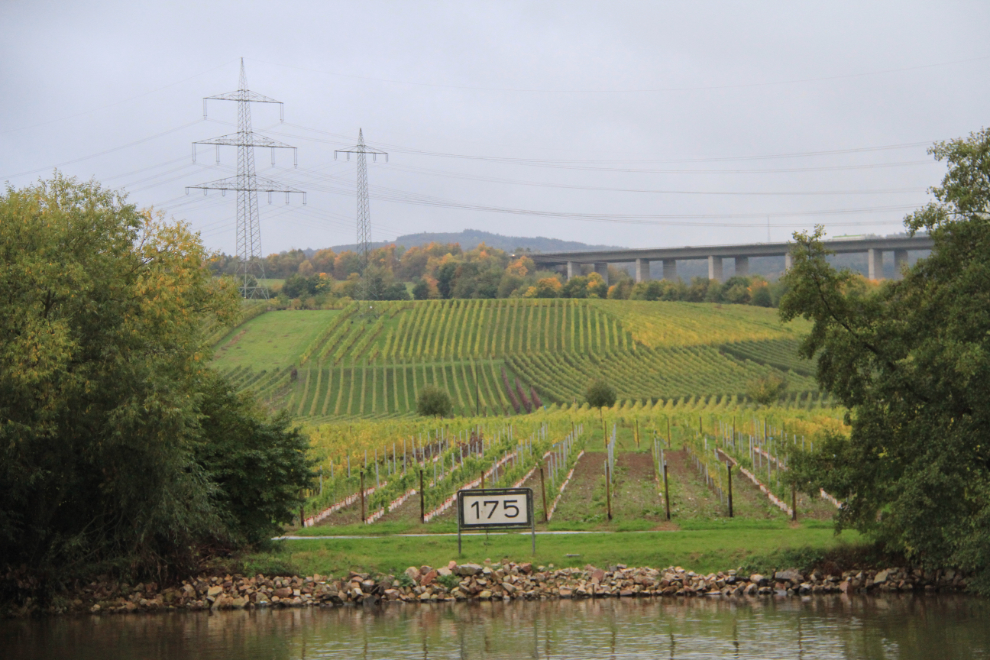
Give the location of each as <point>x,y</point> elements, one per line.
<point>246,183</point>
<point>363,207</point>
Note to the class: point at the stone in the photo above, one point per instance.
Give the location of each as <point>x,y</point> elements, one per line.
<point>466,570</point>
<point>282,592</point>
<point>412,573</point>
<point>428,579</point>
<point>526,568</point>
<point>597,576</point>
<point>881,577</point>
<point>95,609</point>
<point>790,575</point>
<point>565,593</point>
<point>758,580</point>
<point>212,592</point>
<point>238,603</point>
<point>444,572</point>
<point>485,595</point>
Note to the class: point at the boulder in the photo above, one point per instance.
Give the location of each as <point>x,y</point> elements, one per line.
<point>758,580</point>
<point>790,575</point>
<point>881,577</point>
<point>413,573</point>
<point>213,592</point>
<point>465,570</point>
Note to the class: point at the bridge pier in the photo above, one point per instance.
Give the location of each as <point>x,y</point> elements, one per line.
<point>874,263</point>
<point>643,270</point>
<point>900,261</point>
<point>573,269</point>
<point>670,269</point>
<point>788,262</point>
<point>715,268</point>
<point>742,266</point>
<point>601,268</point>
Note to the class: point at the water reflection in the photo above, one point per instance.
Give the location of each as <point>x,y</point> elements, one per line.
<point>820,627</point>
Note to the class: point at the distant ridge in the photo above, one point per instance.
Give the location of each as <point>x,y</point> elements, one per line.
<point>470,238</point>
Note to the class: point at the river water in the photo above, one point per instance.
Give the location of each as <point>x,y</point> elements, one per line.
<point>943,627</point>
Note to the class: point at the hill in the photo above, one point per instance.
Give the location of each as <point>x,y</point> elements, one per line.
<point>471,238</point>
<point>502,357</point>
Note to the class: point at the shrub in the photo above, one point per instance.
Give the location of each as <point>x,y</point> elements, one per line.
<point>434,402</point>
<point>600,394</point>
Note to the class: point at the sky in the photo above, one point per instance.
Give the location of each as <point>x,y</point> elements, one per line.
<point>640,124</point>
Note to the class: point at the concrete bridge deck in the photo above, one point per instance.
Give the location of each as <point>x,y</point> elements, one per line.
<point>873,247</point>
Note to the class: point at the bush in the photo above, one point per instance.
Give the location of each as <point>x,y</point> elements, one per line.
<point>258,463</point>
<point>434,402</point>
<point>768,389</point>
<point>600,394</point>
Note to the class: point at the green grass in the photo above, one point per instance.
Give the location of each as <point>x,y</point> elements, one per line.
<point>271,341</point>
<point>702,547</point>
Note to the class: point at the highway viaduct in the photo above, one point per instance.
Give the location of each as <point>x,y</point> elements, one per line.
<point>740,254</point>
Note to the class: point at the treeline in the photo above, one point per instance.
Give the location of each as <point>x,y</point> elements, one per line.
<point>445,271</point>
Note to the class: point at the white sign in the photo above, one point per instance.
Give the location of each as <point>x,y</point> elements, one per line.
<point>495,508</point>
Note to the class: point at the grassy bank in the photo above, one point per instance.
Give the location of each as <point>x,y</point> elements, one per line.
<point>701,547</point>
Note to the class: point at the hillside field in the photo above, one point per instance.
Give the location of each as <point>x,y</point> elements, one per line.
<point>505,357</point>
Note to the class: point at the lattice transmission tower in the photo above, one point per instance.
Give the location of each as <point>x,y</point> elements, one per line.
<point>246,183</point>
<point>363,206</point>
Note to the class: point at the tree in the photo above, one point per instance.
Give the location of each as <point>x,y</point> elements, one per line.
<point>433,402</point>
<point>257,462</point>
<point>911,361</point>
<point>104,370</point>
<point>600,394</point>
<point>379,283</point>
<point>767,390</point>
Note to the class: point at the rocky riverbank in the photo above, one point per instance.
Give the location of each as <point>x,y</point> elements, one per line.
<point>461,582</point>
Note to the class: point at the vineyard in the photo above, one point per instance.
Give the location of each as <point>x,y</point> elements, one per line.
<point>599,468</point>
<point>504,357</point>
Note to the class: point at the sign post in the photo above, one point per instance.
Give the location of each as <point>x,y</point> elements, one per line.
<point>495,508</point>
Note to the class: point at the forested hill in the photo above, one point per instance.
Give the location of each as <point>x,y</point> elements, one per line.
<point>471,238</point>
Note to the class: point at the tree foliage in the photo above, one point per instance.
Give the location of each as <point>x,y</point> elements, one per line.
<point>103,377</point>
<point>911,361</point>
<point>600,394</point>
<point>434,402</point>
<point>767,389</point>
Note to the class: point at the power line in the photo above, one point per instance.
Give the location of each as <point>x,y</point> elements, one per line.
<point>105,152</point>
<point>697,88</point>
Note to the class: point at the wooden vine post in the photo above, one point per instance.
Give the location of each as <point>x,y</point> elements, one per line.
<point>793,502</point>
<point>608,490</point>
<point>422,498</point>
<point>666,490</point>
<point>728,469</point>
<point>362,495</point>
<point>543,491</point>
<point>668,433</point>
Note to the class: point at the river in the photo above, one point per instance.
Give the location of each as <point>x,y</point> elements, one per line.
<point>864,628</point>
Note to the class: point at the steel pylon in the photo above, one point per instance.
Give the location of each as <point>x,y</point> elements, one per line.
<point>247,184</point>
<point>361,150</point>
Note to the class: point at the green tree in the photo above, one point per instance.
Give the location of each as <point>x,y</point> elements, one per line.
<point>257,463</point>
<point>911,362</point>
<point>103,374</point>
<point>600,394</point>
<point>767,390</point>
<point>433,402</point>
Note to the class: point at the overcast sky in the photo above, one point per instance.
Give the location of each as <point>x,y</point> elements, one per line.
<point>625,123</point>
